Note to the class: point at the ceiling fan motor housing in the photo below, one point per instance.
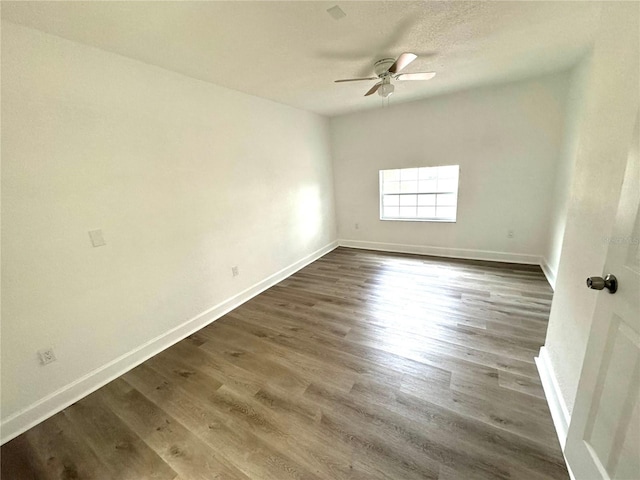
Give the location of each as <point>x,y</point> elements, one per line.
<point>381,67</point>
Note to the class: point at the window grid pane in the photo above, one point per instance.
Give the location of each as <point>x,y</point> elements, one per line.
<point>445,199</point>
<point>408,212</point>
<point>426,212</point>
<point>408,200</point>
<point>426,200</point>
<point>391,175</point>
<point>426,193</point>
<point>391,200</point>
<point>391,187</point>
<point>408,174</point>
<point>391,212</point>
<point>408,186</point>
<point>427,185</point>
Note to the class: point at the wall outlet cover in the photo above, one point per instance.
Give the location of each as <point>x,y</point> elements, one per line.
<point>97,239</point>
<point>46,356</point>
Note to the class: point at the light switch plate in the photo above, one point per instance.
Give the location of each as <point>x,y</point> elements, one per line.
<point>97,239</point>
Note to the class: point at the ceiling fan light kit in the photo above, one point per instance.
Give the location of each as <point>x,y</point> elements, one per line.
<point>388,69</point>
<point>385,90</point>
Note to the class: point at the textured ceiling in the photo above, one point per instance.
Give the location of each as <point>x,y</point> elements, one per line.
<point>291,51</point>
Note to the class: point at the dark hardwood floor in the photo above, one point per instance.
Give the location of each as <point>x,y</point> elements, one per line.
<point>363,365</point>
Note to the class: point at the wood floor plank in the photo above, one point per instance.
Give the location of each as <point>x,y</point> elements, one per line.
<point>217,426</point>
<point>428,452</point>
<point>287,435</point>
<point>19,461</point>
<point>361,366</point>
<point>343,365</point>
<point>121,450</point>
<point>528,385</point>
<point>183,451</point>
<point>277,347</point>
<point>59,442</point>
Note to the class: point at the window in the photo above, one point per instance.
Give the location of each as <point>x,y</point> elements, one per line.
<point>427,193</point>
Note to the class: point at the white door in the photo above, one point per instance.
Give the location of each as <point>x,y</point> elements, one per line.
<point>604,435</point>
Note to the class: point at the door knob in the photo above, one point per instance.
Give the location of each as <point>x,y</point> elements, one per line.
<point>610,282</point>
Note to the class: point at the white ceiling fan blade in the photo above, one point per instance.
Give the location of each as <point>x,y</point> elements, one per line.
<point>373,89</point>
<point>402,61</point>
<point>416,76</point>
<point>355,79</point>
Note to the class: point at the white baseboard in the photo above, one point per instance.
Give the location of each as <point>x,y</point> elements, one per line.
<point>444,252</point>
<point>557,405</point>
<point>44,408</point>
<point>549,272</point>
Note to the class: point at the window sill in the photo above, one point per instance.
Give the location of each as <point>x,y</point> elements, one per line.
<point>433,220</point>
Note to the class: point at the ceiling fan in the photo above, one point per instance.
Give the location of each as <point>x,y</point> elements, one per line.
<point>388,68</point>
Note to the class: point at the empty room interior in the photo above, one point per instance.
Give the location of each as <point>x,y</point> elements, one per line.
<point>284,240</point>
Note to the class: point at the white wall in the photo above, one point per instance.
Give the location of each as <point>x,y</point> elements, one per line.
<point>610,106</point>
<point>565,168</point>
<point>185,178</point>
<point>506,139</point>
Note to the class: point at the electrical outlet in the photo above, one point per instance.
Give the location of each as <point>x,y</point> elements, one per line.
<point>234,271</point>
<point>46,356</point>
<point>97,238</point>
<point>509,233</point>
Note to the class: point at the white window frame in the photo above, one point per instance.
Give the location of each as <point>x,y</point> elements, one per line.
<point>431,183</point>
